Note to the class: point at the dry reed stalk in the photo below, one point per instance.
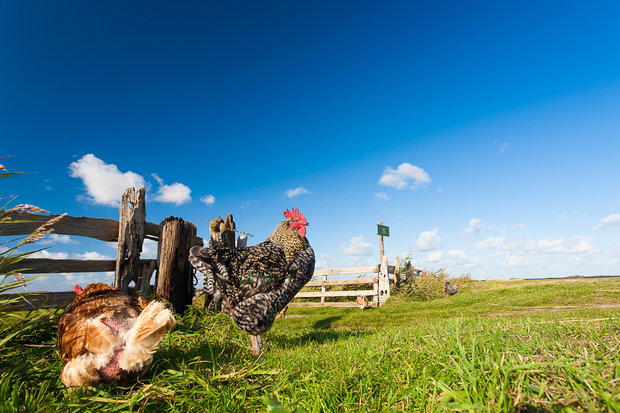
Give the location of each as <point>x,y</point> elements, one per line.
<point>27,207</point>
<point>43,230</point>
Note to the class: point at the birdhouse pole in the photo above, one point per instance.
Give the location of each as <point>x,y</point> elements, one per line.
<point>381,248</point>
<point>382,231</point>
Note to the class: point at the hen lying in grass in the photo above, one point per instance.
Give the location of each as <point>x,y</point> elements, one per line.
<point>107,336</point>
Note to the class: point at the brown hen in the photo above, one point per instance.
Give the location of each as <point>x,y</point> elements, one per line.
<point>108,336</point>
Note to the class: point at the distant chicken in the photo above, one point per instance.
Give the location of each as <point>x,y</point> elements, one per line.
<point>451,289</point>
<point>108,336</point>
<point>362,302</point>
<point>257,282</point>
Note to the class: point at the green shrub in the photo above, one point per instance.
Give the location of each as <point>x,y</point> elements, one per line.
<point>424,285</point>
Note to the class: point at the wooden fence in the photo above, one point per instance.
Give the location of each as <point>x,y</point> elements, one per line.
<point>379,279</point>
<point>174,276</point>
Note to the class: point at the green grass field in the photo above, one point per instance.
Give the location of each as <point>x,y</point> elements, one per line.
<point>513,346</point>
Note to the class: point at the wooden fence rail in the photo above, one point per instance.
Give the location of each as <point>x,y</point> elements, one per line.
<point>103,229</point>
<point>379,281</point>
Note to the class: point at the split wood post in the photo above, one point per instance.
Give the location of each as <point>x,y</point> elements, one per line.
<point>384,281</point>
<point>222,232</point>
<point>323,288</point>
<point>397,272</point>
<point>132,215</point>
<point>375,288</point>
<point>174,272</point>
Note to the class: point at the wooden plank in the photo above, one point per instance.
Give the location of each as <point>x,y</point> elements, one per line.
<point>99,228</point>
<point>343,282</point>
<point>47,265</point>
<point>39,299</point>
<point>347,304</point>
<point>352,270</point>
<point>352,293</point>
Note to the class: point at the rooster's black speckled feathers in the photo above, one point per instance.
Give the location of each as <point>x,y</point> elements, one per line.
<point>257,282</point>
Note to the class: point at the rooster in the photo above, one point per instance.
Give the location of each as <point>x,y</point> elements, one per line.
<point>257,282</point>
<point>451,289</point>
<point>108,336</point>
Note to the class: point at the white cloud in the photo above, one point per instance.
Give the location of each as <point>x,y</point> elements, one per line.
<point>300,190</point>
<point>104,182</point>
<point>450,259</point>
<point>611,222</point>
<point>405,175</point>
<point>576,245</point>
<point>490,242</point>
<point>382,195</point>
<point>358,247</point>
<point>92,255</point>
<point>476,228</point>
<point>429,240</point>
<point>51,255</point>
<point>175,193</point>
<point>503,147</point>
<point>248,203</point>
<point>325,261</point>
<point>511,260</point>
<point>208,199</point>
<point>57,239</point>
<point>434,256</point>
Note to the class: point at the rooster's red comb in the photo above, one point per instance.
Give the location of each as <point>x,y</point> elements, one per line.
<point>294,213</point>
<point>78,289</point>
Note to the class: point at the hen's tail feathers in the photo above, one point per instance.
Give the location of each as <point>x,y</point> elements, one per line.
<point>102,344</point>
<point>80,371</point>
<point>143,338</point>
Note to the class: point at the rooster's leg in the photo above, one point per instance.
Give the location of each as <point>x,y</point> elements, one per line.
<point>257,344</point>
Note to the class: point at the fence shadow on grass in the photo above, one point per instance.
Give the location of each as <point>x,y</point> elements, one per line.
<point>326,322</point>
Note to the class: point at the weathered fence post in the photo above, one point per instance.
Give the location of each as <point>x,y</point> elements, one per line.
<point>384,281</point>
<point>132,215</point>
<point>174,272</point>
<point>323,288</point>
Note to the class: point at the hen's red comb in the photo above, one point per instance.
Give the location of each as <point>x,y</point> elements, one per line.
<point>78,289</point>
<point>294,213</point>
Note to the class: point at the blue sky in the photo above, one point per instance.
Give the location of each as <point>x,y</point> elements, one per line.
<point>484,134</point>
